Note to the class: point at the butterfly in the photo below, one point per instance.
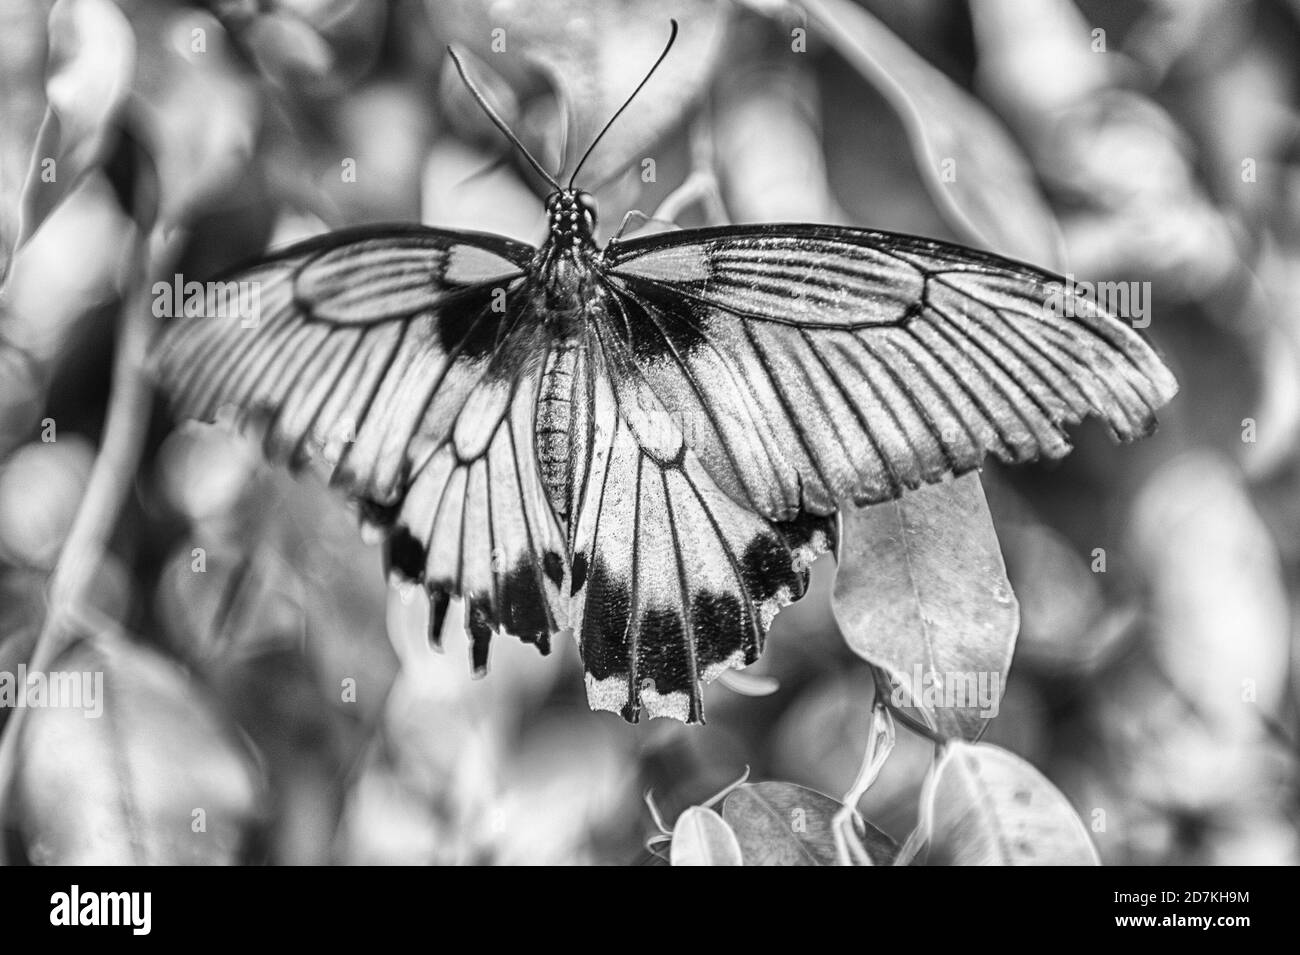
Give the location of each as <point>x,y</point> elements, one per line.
<point>647,443</point>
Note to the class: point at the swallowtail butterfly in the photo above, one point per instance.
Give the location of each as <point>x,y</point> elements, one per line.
<point>647,442</point>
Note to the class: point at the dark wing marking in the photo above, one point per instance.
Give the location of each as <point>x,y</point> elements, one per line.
<point>816,365</point>
<point>397,357</point>
<point>476,523</point>
<point>673,580</point>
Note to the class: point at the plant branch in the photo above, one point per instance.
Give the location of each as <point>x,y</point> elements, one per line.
<point>109,484</point>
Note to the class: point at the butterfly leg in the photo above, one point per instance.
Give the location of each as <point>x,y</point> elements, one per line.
<point>644,220</point>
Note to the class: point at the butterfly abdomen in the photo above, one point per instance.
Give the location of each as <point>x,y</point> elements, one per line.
<point>554,424</point>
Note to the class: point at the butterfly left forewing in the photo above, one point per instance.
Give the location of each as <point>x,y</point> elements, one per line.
<point>400,359</point>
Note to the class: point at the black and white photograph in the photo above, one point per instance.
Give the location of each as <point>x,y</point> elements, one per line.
<point>650,433</point>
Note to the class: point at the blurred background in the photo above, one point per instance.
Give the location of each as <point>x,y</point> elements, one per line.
<point>278,693</point>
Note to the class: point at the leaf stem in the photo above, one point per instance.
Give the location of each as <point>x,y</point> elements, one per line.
<point>847,824</point>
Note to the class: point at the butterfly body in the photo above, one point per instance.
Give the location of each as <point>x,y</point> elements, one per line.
<point>563,292</point>
<point>647,444</point>
<point>554,423</point>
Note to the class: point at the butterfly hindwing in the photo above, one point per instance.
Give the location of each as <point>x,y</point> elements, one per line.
<point>475,523</point>
<point>674,580</point>
<point>821,366</point>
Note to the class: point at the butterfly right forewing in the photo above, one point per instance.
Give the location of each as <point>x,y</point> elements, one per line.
<point>820,365</point>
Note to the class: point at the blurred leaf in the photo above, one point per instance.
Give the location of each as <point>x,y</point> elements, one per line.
<point>1189,35</point>
<point>386,127</point>
<point>1024,725</point>
<point>41,486</point>
<point>22,611</point>
<point>92,61</point>
<point>1187,728</point>
<point>23,51</point>
<point>784,824</point>
<point>1116,156</point>
<point>1124,161</point>
<point>1060,600</point>
<point>1274,311</point>
<point>48,300</point>
<point>1222,620</point>
<point>22,392</point>
<point>223,603</point>
<point>593,54</point>
<point>319,47</point>
<point>459,193</point>
<point>1267,837</point>
<point>922,590</point>
<point>566,781</point>
<point>1162,753</point>
<point>701,837</point>
<point>386,821</point>
<point>1036,59</point>
<point>972,168</point>
<point>157,777</point>
<point>204,470</point>
<point>770,152</point>
<point>985,806</point>
<point>197,113</point>
<point>304,736</point>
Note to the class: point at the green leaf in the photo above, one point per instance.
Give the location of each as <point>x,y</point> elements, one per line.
<point>984,806</point>
<point>922,593</point>
<point>700,837</point>
<point>784,824</point>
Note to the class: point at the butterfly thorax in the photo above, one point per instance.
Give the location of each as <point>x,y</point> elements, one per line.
<point>564,264</point>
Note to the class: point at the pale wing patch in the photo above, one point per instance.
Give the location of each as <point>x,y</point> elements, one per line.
<point>390,276</point>
<point>471,265</point>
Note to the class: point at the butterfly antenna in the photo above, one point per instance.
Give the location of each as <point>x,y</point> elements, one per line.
<point>563,104</point>
<point>626,103</point>
<point>499,122</point>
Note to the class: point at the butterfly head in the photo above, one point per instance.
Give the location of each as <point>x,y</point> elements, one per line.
<point>572,212</point>
<point>572,215</point>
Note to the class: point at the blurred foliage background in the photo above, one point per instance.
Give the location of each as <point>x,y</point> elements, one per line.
<point>265,673</point>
